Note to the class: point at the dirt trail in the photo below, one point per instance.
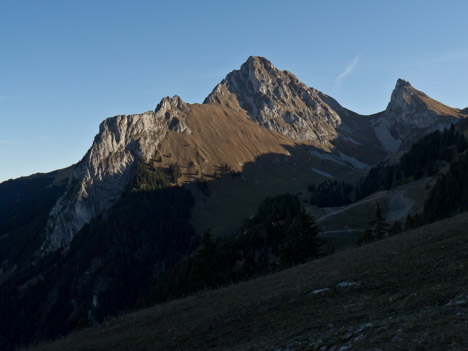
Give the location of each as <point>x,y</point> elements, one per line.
<point>378,196</point>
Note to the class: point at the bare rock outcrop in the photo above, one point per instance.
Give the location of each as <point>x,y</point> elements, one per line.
<point>410,115</point>
<point>103,173</point>
<point>278,101</point>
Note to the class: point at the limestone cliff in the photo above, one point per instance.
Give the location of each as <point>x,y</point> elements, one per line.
<point>101,176</point>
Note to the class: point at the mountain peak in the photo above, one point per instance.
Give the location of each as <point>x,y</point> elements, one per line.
<point>409,114</point>
<point>277,100</point>
<point>258,62</point>
<point>404,95</point>
<point>406,100</point>
<point>401,83</point>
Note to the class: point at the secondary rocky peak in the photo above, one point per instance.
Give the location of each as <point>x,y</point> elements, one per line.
<point>174,111</point>
<point>277,100</point>
<point>409,115</point>
<point>407,100</point>
<point>404,95</point>
<point>170,103</point>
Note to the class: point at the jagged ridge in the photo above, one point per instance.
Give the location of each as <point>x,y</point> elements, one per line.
<point>275,100</point>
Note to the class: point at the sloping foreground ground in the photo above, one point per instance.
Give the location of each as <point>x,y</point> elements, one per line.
<point>408,292</point>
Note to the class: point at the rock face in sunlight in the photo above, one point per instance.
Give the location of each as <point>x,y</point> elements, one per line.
<point>101,176</point>
<point>278,101</point>
<point>411,114</point>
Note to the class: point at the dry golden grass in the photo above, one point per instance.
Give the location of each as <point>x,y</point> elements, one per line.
<point>221,135</point>
<point>438,107</point>
<point>412,294</point>
<point>271,163</point>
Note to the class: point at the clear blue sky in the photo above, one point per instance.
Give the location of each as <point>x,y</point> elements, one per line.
<point>67,65</point>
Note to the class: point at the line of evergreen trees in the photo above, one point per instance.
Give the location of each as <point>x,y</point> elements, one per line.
<point>331,193</point>
<point>425,158</point>
<point>449,195</point>
<point>281,234</point>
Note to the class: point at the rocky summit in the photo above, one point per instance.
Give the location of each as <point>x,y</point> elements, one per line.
<point>279,101</point>
<point>409,115</point>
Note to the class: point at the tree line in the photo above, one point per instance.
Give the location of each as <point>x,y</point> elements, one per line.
<point>280,234</point>
<point>425,158</point>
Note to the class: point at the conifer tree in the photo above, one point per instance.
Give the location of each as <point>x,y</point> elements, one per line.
<point>380,226</point>
<point>302,243</point>
<point>176,173</point>
<point>208,265</point>
<point>396,228</point>
<point>207,246</point>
